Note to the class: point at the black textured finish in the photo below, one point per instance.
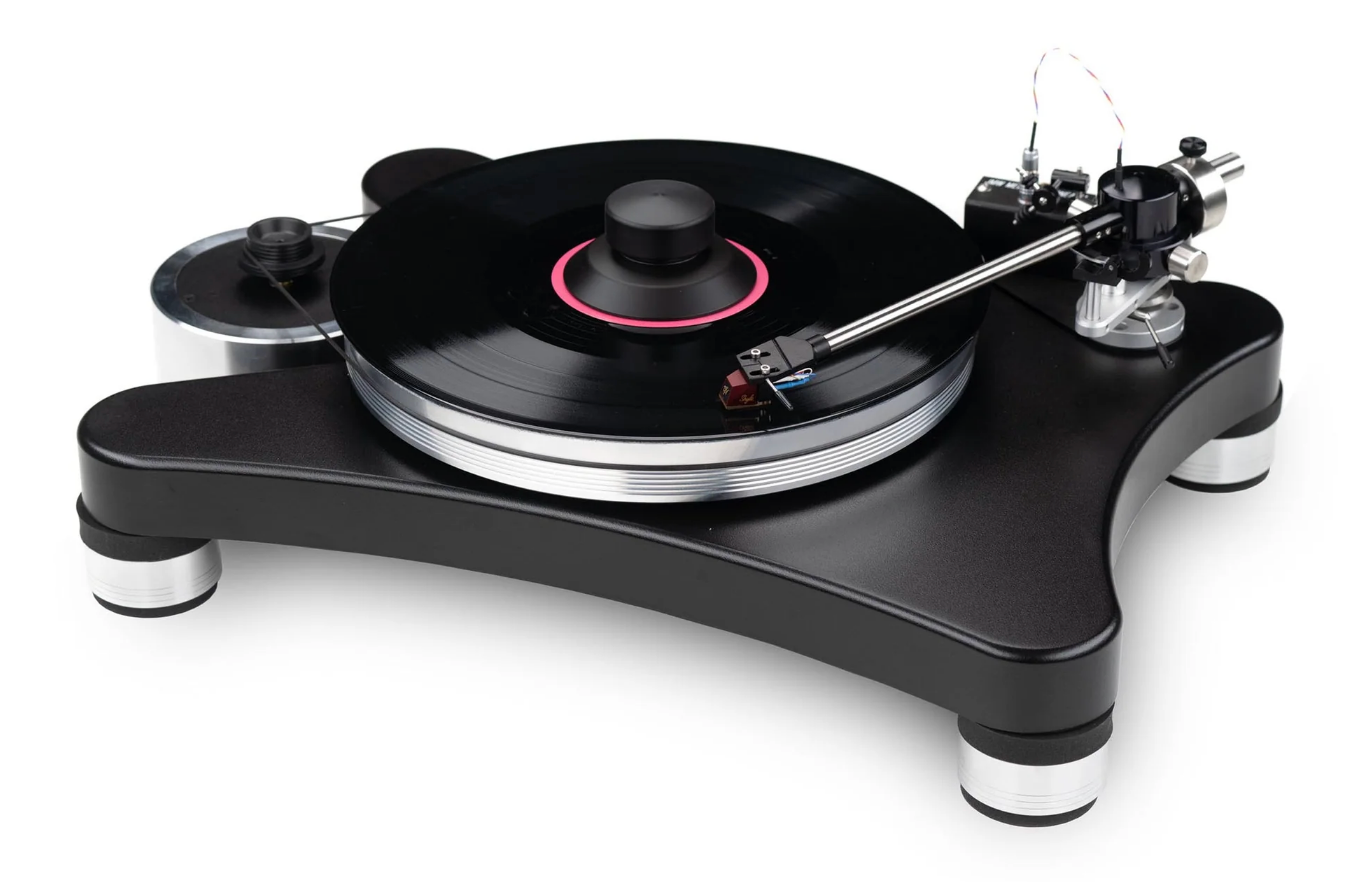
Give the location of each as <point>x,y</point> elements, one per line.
<point>158,612</point>
<point>121,546</point>
<point>402,173</point>
<point>1025,820</point>
<point>972,569</point>
<point>1044,749</point>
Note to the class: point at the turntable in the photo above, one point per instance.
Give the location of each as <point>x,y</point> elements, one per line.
<point>745,387</point>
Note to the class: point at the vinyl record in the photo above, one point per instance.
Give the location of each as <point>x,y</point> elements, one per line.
<point>447,291</point>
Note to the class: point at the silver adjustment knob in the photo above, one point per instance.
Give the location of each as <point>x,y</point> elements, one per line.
<point>1187,263</point>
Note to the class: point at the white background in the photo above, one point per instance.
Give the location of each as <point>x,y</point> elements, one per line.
<point>334,716</point>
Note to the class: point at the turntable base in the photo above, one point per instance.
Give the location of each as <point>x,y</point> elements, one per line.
<point>972,569</point>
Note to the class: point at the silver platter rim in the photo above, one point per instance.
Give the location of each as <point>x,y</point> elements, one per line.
<point>660,469</point>
<point>164,291</point>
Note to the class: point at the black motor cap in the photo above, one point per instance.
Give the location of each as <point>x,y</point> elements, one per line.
<point>405,172</point>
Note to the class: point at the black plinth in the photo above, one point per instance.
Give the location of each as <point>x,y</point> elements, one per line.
<point>973,569</point>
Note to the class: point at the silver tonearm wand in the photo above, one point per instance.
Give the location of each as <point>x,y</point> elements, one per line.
<point>1040,250</point>
<point>785,355</point>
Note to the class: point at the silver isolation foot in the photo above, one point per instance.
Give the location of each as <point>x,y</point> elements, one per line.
<point>1228,462</point>
<point>147,576</point>
<point>158,587</point>
<point>1033,780</point>
<point>1237,459</point>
